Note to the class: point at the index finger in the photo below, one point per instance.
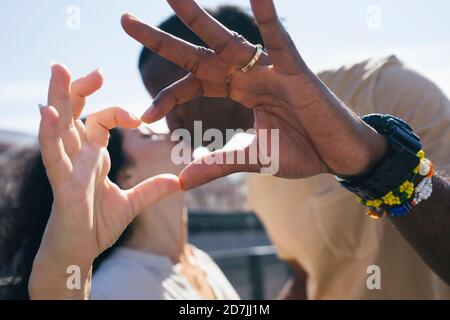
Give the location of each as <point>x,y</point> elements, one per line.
<point>83,88</point>
<point>99,124</point>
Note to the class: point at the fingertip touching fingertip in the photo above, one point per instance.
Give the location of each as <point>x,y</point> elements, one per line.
<point>185,186</point>
<point>126,120</point>
<point>186,183</point>
<point>175,179</point>
<point>136,120</point>
<point>145,119</point>
<point>149,117</point>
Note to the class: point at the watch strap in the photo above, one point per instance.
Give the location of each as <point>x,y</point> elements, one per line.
<point>395,167</point>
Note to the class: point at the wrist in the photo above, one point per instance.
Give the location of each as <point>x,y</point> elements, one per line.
<point>63,243</point>
<point>50,280</point>
<point>377,147</point>
<point>364,154</point>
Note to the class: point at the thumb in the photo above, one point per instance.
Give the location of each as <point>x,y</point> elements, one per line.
<point>152,190</point>
<point>220,164</point>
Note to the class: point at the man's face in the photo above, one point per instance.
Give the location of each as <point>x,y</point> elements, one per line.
<point>215,113</point>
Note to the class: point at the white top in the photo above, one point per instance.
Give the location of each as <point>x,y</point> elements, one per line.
<point>134,275</point>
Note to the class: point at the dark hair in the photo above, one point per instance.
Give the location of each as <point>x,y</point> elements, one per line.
<point>234,18</point>
<point>24,212</point>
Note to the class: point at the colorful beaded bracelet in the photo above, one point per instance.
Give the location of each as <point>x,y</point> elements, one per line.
<point>411,193</point>
<point>422,192</point>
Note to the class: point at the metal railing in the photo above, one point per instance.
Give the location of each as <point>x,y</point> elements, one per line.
<point>252,266</point>
<point>263,274</point>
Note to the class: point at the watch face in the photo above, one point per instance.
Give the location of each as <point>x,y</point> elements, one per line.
<point>406,139</point>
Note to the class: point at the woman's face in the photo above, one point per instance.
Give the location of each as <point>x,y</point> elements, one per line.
<point>149,154</point>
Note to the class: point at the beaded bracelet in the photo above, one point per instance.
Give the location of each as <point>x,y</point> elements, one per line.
<point>405,198</point>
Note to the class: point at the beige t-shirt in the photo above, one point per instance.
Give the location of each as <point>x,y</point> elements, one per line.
<point>134,275</point>
<point>320,225</point>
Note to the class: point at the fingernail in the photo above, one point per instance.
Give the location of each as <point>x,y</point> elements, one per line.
<point>96,71</point>
<point>63,65</point>
<point>52,66</point>
<point>41,108</point>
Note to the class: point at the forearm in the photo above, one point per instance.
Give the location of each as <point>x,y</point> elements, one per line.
<point>427,229</point>
<point>58,273</point>
<point>62,268</point>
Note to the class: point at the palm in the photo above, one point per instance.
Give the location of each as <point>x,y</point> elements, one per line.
<point>292,140</point>
<point>109,208</point>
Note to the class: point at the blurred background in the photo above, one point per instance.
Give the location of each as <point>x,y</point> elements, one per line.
<point>87,34</point>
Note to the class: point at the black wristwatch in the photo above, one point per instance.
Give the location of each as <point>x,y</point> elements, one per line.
<point>395,167</point>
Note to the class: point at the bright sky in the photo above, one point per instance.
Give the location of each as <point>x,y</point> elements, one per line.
<point>328,33</point>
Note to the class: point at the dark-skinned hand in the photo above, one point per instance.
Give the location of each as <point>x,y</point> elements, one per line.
<point>318,133</point>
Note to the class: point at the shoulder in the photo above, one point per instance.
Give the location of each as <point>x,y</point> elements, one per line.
<point>384,85</point>
<point>116,280</point>
<point>361,69</point>
<point>350,81</point>
<point>224,288</point>
<point>408,91</point>
<point>388,86</point>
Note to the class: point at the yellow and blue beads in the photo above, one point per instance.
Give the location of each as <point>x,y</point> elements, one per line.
<point>401,201</point>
